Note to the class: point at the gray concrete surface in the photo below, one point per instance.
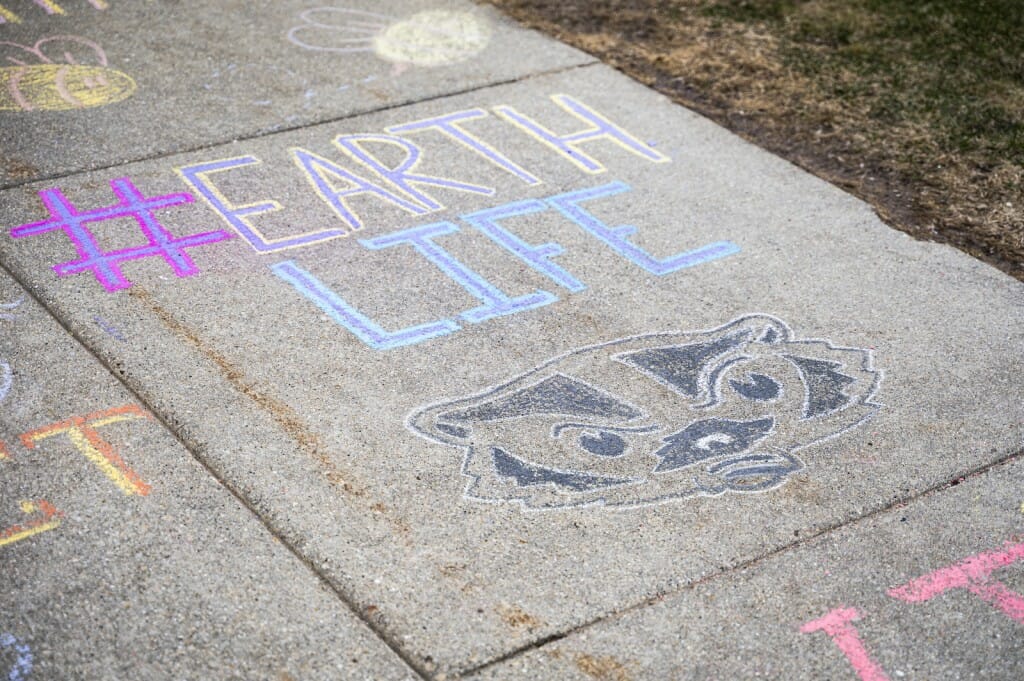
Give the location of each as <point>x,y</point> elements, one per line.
<point>337,443</point>
<point>140,566</point>
<point>187,75</point>
<point>422,347</point>
<point>787,616</point>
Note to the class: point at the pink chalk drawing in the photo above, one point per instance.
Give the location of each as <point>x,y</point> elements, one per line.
<point>975,575</point>
<point>836,625</point>
<point>132,204</point>
<point>59,73</point>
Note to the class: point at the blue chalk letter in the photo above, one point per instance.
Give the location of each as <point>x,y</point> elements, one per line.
<point>352,319</point>
<point>537,257</point>
<point>496,303</point>
<point>617,238</point>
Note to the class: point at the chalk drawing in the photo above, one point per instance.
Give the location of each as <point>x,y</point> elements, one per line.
<point>836,624</point>
<point>6,379</point>
<point>617,238</point>
<point>7,309</point>
<point>49,519</point>
<point>450,125</point>
<point>344,314</point>
<point>402,174</point>
<point>82,432</point>
<point>598,128</point>
<point>393,178</point>
<point>974,575</point>
<point>22,665</point>
<point>651,418</point>
<point>429,38</point>
<point>109,328</point>
<point>104,265</point>
<point>60,73</point>
<point>49,7</point>
<point>496,302</point>
<point>319,171</point>
<point>232,84</point>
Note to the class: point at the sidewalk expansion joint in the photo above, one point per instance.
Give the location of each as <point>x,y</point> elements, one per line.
<point>286,129</point>
<point>753,562</point>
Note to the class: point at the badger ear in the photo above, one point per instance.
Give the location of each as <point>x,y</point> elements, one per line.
<point>761,328</point>
<point>436,423</point>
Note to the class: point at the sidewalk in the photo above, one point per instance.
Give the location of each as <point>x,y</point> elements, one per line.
<point>390,340</point>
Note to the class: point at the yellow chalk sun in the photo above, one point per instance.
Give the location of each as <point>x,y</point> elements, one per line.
<point>432,38</point>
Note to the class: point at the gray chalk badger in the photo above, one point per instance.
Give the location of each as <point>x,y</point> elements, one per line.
<point>656,417</point>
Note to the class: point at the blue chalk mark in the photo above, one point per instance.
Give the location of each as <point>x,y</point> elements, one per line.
<point>364,328</point>
<point>617,238</point>
<point>23,657</point>
<point>537,257</point>
<point>496,302</point>
<point>109,328</point>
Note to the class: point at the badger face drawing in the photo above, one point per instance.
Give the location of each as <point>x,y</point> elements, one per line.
<point>656,417</point>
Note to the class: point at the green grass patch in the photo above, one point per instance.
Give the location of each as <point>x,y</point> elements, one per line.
<point>955,66</point>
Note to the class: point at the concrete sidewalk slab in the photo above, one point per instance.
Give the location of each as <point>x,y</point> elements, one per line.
<point>122,558</point>
<point>89,84</point>
<point>931,590</point>
<point>437,366</point>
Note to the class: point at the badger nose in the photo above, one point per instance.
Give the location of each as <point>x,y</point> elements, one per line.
<point>431,424</point>
<point>710,439</point>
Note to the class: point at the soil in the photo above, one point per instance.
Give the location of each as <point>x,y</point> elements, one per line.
<point>897,102</point>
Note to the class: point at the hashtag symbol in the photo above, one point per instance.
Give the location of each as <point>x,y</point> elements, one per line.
<point>131,204</point>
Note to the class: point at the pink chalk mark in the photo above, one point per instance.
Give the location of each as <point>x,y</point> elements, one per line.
<point>60,83</point>
<point>973,574</point>
<point>13,87</point>
<point>62,40</point>
<point>836,625</point>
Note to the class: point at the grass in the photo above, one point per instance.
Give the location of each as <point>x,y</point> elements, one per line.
<point>915,105</point>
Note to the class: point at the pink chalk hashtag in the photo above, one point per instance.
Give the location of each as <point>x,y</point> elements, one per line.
<point>132,204</point>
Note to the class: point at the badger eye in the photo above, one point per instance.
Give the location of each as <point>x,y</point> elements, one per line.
<point>603,444</point>
<point>757,387</point>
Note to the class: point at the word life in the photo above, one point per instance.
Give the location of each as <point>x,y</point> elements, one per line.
<point>493,301</point>
<point>973,575</point>
<point>83,434</point>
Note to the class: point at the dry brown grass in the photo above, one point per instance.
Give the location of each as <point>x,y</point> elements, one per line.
<point>835,87</point>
